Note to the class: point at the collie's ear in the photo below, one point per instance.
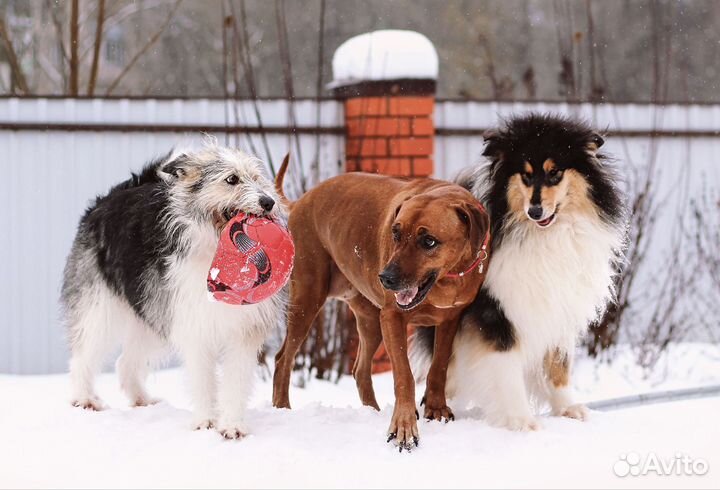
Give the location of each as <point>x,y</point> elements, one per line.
<point>595,142</point>
<point>494,145</point>
<point>181,167</point>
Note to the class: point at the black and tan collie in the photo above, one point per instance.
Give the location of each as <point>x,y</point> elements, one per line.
<point>558,227</point>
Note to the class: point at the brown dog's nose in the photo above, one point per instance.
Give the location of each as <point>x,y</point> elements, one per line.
<point>267,203</point>
<point>390,278</point>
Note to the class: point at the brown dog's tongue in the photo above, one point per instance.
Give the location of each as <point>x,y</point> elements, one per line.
<point>406,296</point>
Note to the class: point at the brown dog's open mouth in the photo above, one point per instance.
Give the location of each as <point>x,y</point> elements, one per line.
<point>407,299</point>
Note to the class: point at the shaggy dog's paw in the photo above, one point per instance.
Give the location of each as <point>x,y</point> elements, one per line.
<point>230,430</point>
<point>144,401</point>
<point>202,423</point>
<point>92,403</point>
<point>521,423</point>
<point>577,412</point>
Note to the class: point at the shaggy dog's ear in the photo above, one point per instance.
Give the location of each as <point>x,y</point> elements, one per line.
<point>595,141</point>
<point>494,145</point>
<point>181,168</point>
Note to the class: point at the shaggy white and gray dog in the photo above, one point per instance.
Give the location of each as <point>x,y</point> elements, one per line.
<point>136,277</point>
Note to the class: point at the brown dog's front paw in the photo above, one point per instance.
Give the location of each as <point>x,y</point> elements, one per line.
<point>439,413</point>
<point>437,409</point>
<point>403,429</point>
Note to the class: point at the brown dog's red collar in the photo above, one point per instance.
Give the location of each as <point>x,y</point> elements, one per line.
<point>482,255</point>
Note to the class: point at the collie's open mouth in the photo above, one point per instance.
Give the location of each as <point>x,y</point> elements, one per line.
<point>544,223</point>
<point>408,299</point>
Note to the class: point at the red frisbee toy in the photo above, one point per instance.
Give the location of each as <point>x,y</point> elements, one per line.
<point>253,260</point>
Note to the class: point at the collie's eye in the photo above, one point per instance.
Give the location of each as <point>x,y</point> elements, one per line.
<point>526,178</point>
<point>555,176</point>
<point>233,180</point>
<point>428,242</point>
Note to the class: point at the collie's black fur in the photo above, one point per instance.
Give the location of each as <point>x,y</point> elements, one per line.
<point>530,139</point>
<point>535,138</point>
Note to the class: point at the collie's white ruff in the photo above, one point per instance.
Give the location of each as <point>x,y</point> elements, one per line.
<point>552,283</point>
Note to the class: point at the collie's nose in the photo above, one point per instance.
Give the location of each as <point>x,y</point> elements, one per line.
<point>389,278</point>
<point>535,212</point>
<point>267,203</point>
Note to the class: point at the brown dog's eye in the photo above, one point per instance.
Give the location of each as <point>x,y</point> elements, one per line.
<point>526,178</point>
<point>233,179</point>
<point>396,233</point>
<point>428,242</point>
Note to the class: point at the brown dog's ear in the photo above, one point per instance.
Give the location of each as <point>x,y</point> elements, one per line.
<point>476,220</point>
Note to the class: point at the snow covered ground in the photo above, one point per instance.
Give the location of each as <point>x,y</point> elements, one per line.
<point>329,440</point>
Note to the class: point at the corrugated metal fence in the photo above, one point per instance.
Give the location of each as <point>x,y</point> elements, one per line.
<point>56,154</point>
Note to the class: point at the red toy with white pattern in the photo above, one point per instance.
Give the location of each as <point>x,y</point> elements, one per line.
<point>253,260</point>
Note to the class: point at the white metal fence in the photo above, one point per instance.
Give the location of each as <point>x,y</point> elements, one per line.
<point>57,154</point>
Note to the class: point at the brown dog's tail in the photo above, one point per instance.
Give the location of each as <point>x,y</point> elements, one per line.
<point>279,178</point>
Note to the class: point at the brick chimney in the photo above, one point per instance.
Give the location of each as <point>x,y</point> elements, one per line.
<point>388,81</point>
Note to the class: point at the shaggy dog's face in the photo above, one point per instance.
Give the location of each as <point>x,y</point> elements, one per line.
<point>215,183</point>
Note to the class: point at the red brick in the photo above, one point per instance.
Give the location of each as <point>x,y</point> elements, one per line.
<point>368,165</point>
<point>422,167</point>
<point>394,166</point>
<point>411,146</point>
<point>378,126</point>
<point>411,106</point>
<point>370,106</point>
<point>352,165</point>
<point>366,147</point>
<point>423,126</point>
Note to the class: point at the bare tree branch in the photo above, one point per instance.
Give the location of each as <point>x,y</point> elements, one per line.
<point>60,38</point>
<point>144,49</point>
<point>315,165</point>
<point>74,62</point>
<point>286,63</point>
<point>250,74</point>
<point>15,67</point>
<point>96,49</point>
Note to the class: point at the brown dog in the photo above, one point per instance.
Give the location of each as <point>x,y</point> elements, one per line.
<point>400,252</point>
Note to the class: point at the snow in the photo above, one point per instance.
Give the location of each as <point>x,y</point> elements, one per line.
<point>384,55</point>
<point>329,440</point>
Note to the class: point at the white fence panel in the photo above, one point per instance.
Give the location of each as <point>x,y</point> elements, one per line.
<point>49,176</point>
